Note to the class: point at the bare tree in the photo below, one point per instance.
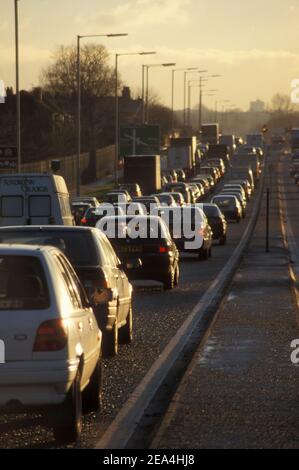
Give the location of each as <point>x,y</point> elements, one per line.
<point>59,81</point>
<point>281,104</point>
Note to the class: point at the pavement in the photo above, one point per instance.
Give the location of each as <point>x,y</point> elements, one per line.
<point>241,389</point>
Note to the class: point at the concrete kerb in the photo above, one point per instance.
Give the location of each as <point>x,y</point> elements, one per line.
<point>287,233</point>
<point>120,431</point>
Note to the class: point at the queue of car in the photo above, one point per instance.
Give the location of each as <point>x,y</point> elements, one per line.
<point>69,289</point>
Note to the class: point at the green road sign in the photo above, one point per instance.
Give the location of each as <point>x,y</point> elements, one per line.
<point>139,140</point>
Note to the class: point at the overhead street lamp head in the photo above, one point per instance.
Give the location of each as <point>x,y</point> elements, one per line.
<point>147,53</point>
<point>168,64</point>
<point>116,35</point>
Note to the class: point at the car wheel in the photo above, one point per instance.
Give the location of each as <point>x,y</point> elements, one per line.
<point>222,240</point>
<point>168,282</point>
<point>204,254</point>
<point>110,341</point>
<point>126,331</point>
<point>177,276</point>
<point>92,395</point>
<point>71,412</point>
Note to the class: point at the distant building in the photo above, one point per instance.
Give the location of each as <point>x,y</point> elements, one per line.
<point>257,106</point>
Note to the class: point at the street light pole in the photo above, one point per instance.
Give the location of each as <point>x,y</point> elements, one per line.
<point>18,100</point>
<point>168,64</point>
<point>172,92</point>
<point>78,162</point>
<point>116,156</point>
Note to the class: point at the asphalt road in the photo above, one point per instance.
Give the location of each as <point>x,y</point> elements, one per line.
<point>157,317</point>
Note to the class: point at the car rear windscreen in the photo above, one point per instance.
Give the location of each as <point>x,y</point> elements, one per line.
<point>22,284</point>
<point>211,211</point>
<point>77,246</point>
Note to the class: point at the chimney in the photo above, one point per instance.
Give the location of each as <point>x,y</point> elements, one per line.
<point>126,93</point>
<point>37,93</point>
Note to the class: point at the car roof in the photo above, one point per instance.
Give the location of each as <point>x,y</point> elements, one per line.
<point>25,250</point>
<point>224,196</point>
<point>49,228</point>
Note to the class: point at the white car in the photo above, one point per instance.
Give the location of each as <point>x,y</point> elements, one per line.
<point>52,343</point>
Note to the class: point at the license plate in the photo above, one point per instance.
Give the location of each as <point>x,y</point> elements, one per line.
<point>130,249</point>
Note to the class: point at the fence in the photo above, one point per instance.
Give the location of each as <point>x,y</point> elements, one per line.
<point>104,165</point>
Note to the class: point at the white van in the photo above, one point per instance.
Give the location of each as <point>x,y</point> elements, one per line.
<point>34,199</point>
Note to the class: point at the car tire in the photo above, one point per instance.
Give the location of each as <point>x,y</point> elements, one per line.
<point>110,341</point>
<point>92,395</point>
<point>204,254</point>
<point>222,240</point>
<point>71,411</point>
<point>126,331</point>
<point>169,280</point>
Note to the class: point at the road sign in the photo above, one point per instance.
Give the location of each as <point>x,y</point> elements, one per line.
<point>8,158</point>
<point>139,140</point>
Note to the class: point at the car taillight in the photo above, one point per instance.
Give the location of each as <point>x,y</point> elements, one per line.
<point>165,249</point>
<point>51,336</point>
<point>84,221</point>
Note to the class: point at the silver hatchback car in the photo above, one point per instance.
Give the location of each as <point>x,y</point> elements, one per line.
<point>50,339</point>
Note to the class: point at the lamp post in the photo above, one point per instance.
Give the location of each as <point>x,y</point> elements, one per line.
<point>185,84</point>
<point>188,69</point>
<point>78,166</point>
<point>117,110</point>
<point>18,101</point>
<point>147,67</point>
<point>200,95</point>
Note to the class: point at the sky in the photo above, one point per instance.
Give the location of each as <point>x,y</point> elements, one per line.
<point>252,44</point>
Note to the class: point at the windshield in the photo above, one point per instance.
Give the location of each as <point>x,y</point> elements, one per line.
<point>77,245</point>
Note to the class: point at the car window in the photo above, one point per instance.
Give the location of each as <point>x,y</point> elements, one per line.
<point>76,245</point>
<point>12,206</point>
<point>39,206</point>
<point>110,256</point>
<point>76,281</point>
<point>69,283</point>
<point>23,284</point>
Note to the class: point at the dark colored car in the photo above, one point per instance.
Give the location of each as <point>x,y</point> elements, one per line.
<point>245,185</point>
<point>218,163</point>
<point>93,215</point>
<point>216,221</point>
<point>99,270</point>
<point>181,175</point>
<point>239,196</point>
<point>178,197</point>
<point>210,170</point>
<point>165,199</point>
<point>78,210</point>
<point>183,224</point>
<point>229,206</point>
<point>86,199</point>
<point>179,188</point>
<point>148,202</point>
<point>132,188</point>
<point>203,180</point>
<point>153,246</point>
